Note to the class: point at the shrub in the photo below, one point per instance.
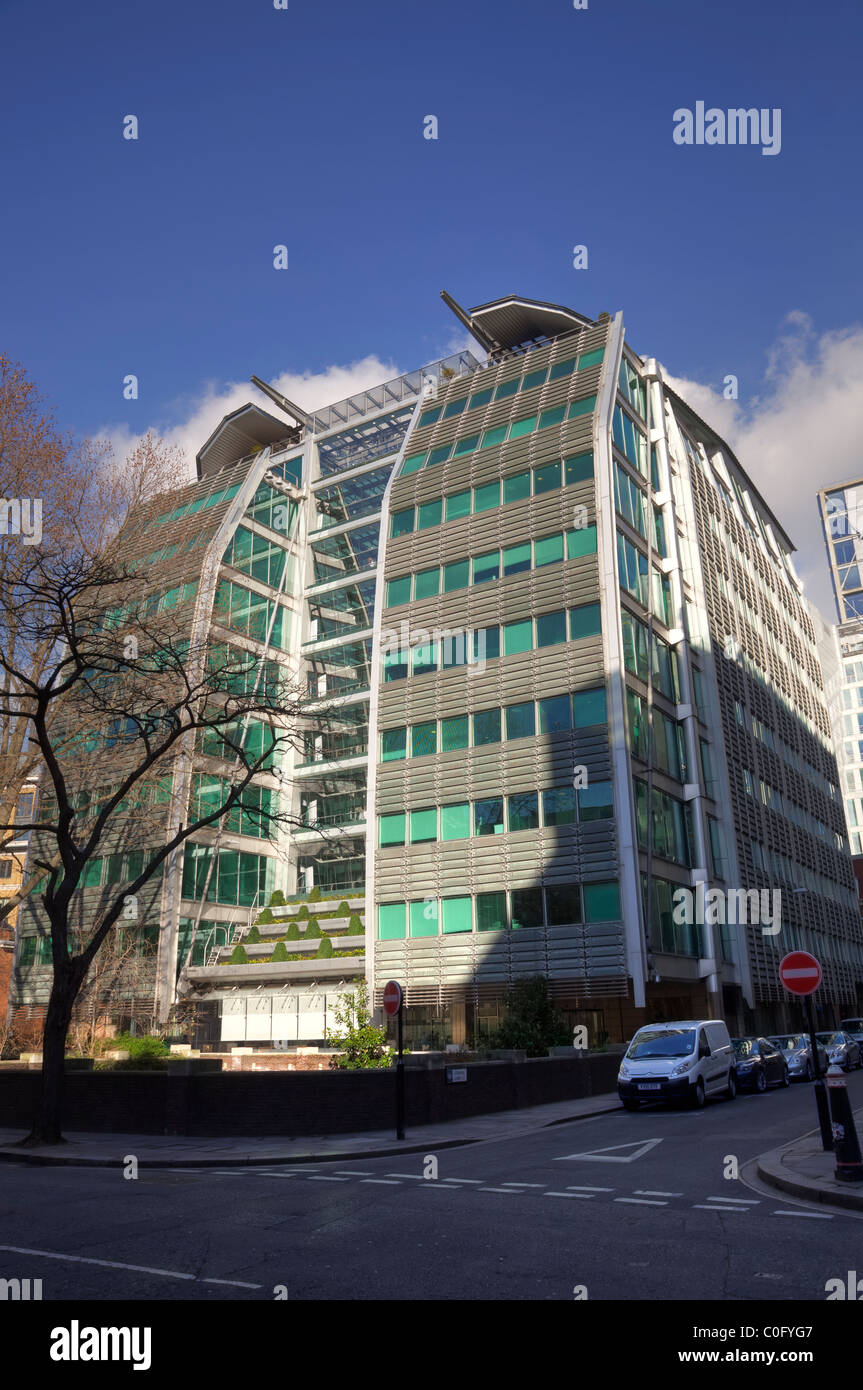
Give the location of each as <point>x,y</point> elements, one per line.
<point>303,912</point>
<point>277,899</point>
<point>137,1045</point>
<point>355,925</point>
<point>360,1044</point>
<point>313,930</point>
<point>146,1062</point>
<point>280,953</point>
<point>239,955</point>
<point>253,937</point>
<point>293,932</point>
<point>343,910</point>
<point>315,895</point>
<point>326,947</point>
<point>265,916</point>
<point>532,1023</point>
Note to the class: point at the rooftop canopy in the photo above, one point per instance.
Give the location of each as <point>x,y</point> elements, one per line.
<point>514,324</point>
<point>244,431</point>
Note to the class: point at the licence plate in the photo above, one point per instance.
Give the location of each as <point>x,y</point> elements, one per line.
<point>649,1086</point>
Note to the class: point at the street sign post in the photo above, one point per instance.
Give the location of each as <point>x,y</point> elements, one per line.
<point>393,1005</point>
<point>801,974</point>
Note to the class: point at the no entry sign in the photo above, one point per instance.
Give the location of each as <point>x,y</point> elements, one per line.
<point>392,997</point>
<point>800,973</point>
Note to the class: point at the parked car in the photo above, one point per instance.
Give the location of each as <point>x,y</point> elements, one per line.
<point>758,1064</point>
<point>854,1026</point>
<point>686,1061</point>
<point>842,1050</point>
<point>798,1055</point>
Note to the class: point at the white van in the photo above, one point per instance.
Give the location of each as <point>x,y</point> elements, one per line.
<point>686,1061</point>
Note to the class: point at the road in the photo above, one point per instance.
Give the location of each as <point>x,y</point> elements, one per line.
<point>525,1219</point>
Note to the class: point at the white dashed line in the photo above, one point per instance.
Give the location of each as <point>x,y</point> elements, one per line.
<point>579,1187</point>
<point>648,1192</point>
<point>810,1215</point>
<point>524,1184</point>
<point>704,1206</point>
<point>478,1181</point>
<point>324,1177</point>
<point>584,1196</point>
<point>640,1202</point>
<point>234,1283</point>
<point>511,1191</point>
<point>386,1182</point>
<point>738,1201</point>
<point>117,1264</point>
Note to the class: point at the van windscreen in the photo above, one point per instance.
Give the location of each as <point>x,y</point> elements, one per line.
<point>662,1043</point>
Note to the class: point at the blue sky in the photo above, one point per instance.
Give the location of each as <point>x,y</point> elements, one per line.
<point>304,127</point>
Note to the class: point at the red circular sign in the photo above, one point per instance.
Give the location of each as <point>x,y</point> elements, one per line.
<point>799,972</point>
<point>392,996</point>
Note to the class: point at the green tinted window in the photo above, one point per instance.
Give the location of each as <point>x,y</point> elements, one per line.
<point>522,427</point>
<point>486,567</point>
<point>391,920</point>
<point>454,733</point>
<point>516,559</point>
<point>579,468</point>
<point>516,488</point>
<point>486,727</point>
<point>595,801</point>
<point>92,876</point>
<point>456,576</point>
<point>424,918</point>
<point>554,714</point>
<point>591,359</point>
<point>602,902</point>
<point>423,825</point>
<point>507,388</point>
<point>455,408</point>
<point>455,821</point>
<point>581,542</point>
<point>412,464</point>
<point>534,379</point>
<point>392,830</point>
<point>423,739</point>
<point>558,806</point>
<point>402,523</point>
<point>456,914</point>
<point>439,455</point>
<point>427,583</point>
<point>523,811</point>
<point>527,910</point>
<point>554,416</point>
<point>546,478</point>
<point>486,497</point>
<point>466,445</point>
<point>481,398</point>
<point>584,407</point>
<point>561,369</point>
<point>551,629</point>
<point>588,707</point>
<point>563,905</point>
<point>548,550</point>
<point>393,745</point>
<point>491,912</point>
<point>457,504</point>
<point>517,637</point>
<point>520,721</point>
<point>488,816</point>
<point>399,591</point>
<point>494,436</point>
<point>430,417</point>
<point>429,514</point>
<point>424,658</point>
<point>585,621</point>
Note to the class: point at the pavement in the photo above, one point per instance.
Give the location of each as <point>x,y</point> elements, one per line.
<point>804,1169</point>
<point>86,1150</point>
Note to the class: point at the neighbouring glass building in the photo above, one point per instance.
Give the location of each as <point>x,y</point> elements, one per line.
<point>557,666</point>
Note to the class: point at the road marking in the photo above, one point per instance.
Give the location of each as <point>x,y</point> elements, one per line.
<point>525,1184</point>
<point>478,1181</point>
<point>649,1192</point>
<point>585,1196</point>
<point>811,1215</point>
<point>418,1177</point>
<point>611,1155</point>
<point>267,1174</point>
<point>234,1283</point>
<point>387,1182</point>
<point>511,1191</point>
<point>740,1201</point>
<point>580,1187</point>
<point>353,1173</point>
<point>118,1264</point>
<point>324,1177</point>
<point>640,1202</point>
<point>704,1206</point>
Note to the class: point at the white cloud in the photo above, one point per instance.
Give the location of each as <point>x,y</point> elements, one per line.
<point>802,433</point>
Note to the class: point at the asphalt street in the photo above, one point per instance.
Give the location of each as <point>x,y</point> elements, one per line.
<point>622,1206</point>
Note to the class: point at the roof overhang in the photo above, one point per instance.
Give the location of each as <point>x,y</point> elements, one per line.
<point>244,431</point>
<point>514,324</point>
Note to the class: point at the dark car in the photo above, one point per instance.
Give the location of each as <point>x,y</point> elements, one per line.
<point>759,1064</point>
<point>797,1052</point>
<point>842,1050</point>
<point>854,1026</point>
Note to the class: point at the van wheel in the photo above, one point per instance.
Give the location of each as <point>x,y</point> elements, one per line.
<point>786,1079</point>
<point>731,1090</point>
<point>697,1095</point>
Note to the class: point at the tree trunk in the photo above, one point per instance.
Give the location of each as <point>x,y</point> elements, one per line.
<point>47,1123</point>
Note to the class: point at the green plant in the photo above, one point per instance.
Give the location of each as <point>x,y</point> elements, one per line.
<point>325,950</point>
<point>293,932</point>
<point>360,1044</point>
<point>239,955</point>
<point>277,899</point>
<point>355,925</point>
<point>532,1023</point>
<point>343,910</point>
<point>253,937</point>
<point>302,912</point>
<point>313,930</point>
<point>315,895</point>
<point>265,916</point>
<point>280,953</point>
<point>137,1045</point>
